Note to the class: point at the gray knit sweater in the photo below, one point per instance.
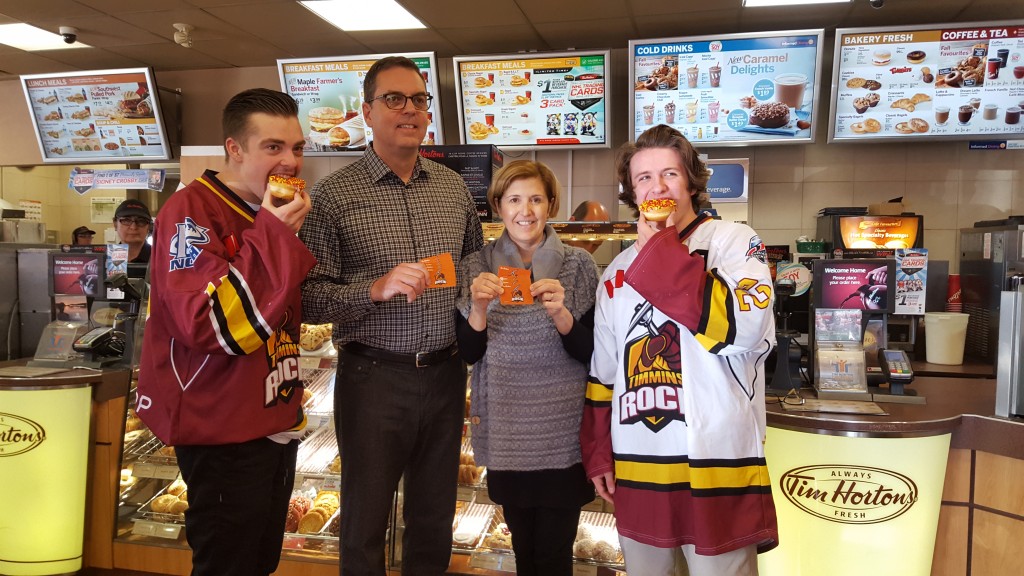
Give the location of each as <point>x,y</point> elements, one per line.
<point>527,391</point>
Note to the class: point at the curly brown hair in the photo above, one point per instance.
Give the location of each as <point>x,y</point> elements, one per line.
<point>662,136</point>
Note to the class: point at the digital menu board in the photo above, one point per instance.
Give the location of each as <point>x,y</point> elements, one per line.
<point>534,101</point>
<point>97,116</point>
<point>957,81</point>
<point>730,89</point>
<point>329,92</point>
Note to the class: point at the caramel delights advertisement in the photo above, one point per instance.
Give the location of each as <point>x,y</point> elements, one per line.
<point>329,92</point>
<point>534,101</point>
<point>95,116</point>
<point>742,88</point>
<point>957,82</point>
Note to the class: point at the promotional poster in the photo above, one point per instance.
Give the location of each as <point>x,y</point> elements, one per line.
<point>749,88</point>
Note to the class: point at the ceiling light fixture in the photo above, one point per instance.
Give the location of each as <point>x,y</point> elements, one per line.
<point>183,34</point>
<point>357,15</point>
<point>32,39</point>
<point>762,3</point>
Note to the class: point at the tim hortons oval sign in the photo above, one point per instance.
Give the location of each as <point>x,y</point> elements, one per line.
<point>19,435</point>
<point>849,494</point>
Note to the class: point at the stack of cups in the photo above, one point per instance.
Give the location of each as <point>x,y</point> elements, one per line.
<point>954,303</point>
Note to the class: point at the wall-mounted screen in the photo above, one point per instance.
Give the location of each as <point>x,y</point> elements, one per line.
<point>329,92</point>
<point>730,89</point>
<point>534,101</point>
<point>855,284</point>
<point>955,81</point>
<point>97,116</point>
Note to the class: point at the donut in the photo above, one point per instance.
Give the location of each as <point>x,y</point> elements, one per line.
<point>162,504</point>
<point>324,118</point>
<point>651,83</point>
<point>127,479</point>
<point>771,115</point>
<point>176,487</point>
<point>657,209</point>
<point>953,79</point>
<point>283,187</point>
<point>916,57</point>
<point>178,507</point>
<point>291,524</point>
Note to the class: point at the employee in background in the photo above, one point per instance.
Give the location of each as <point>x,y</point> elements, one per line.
<point>220,373</point>
<point>134,224</point>
<point>400,397</point>
<point>531,369</point>
<point>82,236</point>
<point>683,316</point>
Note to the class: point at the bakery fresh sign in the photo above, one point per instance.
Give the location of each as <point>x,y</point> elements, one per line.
<point>19,435</point>
<point>849,494</point>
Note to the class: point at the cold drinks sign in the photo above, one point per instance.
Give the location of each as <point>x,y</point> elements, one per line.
<point>720,90</point>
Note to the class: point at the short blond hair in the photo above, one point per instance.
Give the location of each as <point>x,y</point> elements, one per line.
<point>524,170</point>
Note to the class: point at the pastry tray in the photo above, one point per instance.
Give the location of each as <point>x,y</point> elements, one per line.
<point>601,527</point>
<point>490,543</point>
<point>473,522</point>
<point>317,451</point>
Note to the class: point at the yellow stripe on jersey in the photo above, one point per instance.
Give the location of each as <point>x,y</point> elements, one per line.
<point>697,478</point>
<point>598,392</point>
<point>715,323</point>
<point>233,206</point>
<point>231,318</point>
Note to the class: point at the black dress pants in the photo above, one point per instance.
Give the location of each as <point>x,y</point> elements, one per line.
<point>394,419</point>
<point>542,539</point>
<point>238,501</point>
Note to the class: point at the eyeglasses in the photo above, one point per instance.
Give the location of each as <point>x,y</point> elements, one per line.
<point>137,222</point>
<point>396,100</point>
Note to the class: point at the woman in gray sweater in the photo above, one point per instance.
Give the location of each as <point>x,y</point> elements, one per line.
<point>530,368</point>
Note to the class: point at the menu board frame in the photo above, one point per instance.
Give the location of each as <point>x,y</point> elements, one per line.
<point>902,50</point>
<point>354,122</point>
<point>564,132</point>
<point>804,135</point>
<point>57,81</point>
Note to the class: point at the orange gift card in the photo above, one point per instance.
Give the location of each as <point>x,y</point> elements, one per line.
<point>440,270</point>
<point>515,284</point>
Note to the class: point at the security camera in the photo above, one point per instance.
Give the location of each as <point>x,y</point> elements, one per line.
<point>183,34</point>
<point>876,4</point>
<point>69,34</point>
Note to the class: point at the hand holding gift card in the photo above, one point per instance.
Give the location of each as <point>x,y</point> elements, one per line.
<point>515,283</point>
<point>440,270</point>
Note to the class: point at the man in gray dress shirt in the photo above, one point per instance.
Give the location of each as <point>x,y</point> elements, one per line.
<point>400,390</point>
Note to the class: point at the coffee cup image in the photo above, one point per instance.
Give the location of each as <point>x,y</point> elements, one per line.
<point>790,88</point>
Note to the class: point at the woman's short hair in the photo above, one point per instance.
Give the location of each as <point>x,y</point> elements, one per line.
<point>520,170</point>
<point>662,136</point>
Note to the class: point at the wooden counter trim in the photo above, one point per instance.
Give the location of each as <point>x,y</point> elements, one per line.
<point>1001,436</point>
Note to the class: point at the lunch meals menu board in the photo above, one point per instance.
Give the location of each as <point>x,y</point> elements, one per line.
<point>96,116</point>
<point>729,89</point>
<point>329,92</point>
<point>549,100</point>
<point>961,81</point>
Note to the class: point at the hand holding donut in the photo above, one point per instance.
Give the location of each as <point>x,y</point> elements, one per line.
<point>291,209</point>
<point>655,216</point>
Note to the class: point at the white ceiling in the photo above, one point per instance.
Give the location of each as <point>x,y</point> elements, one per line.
<point>241,33</point>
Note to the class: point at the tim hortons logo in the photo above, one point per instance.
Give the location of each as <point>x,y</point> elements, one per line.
<point>849,494</point>
<point>19,435</point>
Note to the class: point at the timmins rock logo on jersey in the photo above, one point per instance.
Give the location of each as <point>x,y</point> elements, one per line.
<point>654,387</point>
<point>283,359</point>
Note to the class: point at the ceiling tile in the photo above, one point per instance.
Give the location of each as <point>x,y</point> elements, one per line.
<point>102,30</point>
<point>495,39</point>
<point>130,6</point>
<point>539,11</point>
<point>391,41</point>
<point>207,26</point>
<point>25,11</point>
<point>442,14</point>
<point>305,34</point>
<point>612,33</point>
<point>776,18</point>
<point>32,63</point>
<point>657,7</point>
<point>694,24</point>
<point>239,52</point>
<point>93,59</point>
<point>164,57</point>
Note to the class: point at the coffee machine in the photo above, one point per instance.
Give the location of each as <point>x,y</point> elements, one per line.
<point>990,256</point>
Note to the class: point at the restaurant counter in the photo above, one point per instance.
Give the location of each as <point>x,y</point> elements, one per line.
<point>866,493</point>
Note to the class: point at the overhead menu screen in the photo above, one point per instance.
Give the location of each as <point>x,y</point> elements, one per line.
<point>730,89</point>
<point>534,101</point>
<point>962,81</point>
<point>97,116</point>
<point>329,92</point>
